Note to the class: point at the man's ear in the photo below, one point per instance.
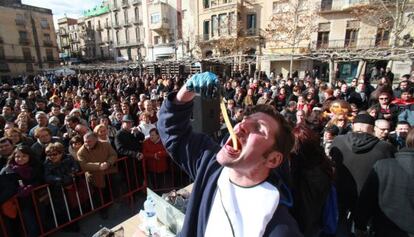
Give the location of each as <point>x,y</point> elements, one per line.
<point>274,159</point>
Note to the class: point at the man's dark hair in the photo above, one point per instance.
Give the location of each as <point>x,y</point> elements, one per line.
<point>284,139</point>
<point>5,139</point>
<point>73,119</point>
<point>403,122</point>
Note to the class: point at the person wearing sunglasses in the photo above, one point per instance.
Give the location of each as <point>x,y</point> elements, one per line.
<point>386,110</point>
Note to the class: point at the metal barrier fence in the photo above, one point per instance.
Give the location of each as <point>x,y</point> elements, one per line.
<point>55,207</point>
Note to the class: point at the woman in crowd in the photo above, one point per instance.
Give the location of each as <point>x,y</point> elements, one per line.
<point>312,175</point>
<point>16,136</point>
<point>341,122</point>
<point>59,172</point>
<point>28,174</point>
<point>156,158</point>
<point>75,144</point>
<point>145,124</point>
<point>102,133</point>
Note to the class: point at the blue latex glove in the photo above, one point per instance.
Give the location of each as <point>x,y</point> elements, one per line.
<point>206,84</point>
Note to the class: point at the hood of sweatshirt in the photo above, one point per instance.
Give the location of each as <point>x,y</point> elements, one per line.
<point>361,142</point>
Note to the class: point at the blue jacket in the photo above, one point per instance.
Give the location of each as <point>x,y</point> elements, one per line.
<point>196,154</point>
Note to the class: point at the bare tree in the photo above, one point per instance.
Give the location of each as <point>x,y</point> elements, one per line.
<point>391,15</point>
<point>292,24</point>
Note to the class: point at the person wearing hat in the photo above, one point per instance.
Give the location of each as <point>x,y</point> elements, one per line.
<point>128,142</point>
<point>355,154</point>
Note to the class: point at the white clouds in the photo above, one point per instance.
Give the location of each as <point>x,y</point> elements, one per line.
<point>72,8</point>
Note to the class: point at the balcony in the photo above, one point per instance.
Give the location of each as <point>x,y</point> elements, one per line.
<point>24,41</point>
<point>125,4</point>
<point>19,59</point>
<point>348,44</point>
<point>252,32</point>
<point>162,25</point>
<point>126,23</point>
<point>126,44</point>
<point>114,8</point>
<point>137,22</point>
<point>63,32</point>
<point>47,43</point>
<point>330,6</point>
<point>116,25</point>
<point>99,28</point>
<point>107,26</point>
<point>65,45</point>
<point>136,2</point>
<point>20,22</point>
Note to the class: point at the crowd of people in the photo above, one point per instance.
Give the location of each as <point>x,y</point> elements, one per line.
<point>342,135</point>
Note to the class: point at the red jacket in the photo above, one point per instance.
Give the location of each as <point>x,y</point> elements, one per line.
<point>149,150</point>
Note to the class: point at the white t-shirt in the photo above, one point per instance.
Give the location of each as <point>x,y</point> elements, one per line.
<point>249,210</point>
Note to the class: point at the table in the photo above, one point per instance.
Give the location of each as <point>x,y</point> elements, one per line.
<point>131,227</point>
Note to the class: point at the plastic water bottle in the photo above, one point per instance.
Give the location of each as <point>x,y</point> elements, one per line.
<point>150,215</point>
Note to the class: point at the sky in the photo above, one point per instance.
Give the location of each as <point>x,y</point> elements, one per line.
<point>72,8</point>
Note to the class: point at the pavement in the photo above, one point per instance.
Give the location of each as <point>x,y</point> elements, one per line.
<point>117,213</point>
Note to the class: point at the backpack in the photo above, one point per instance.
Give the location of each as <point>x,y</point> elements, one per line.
<point>330,216</point>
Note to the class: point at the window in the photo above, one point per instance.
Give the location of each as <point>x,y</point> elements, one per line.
<point>126,17</point>
<point>214,25</point>
<point>2,55</point>
<point>232,23</point>
<point>206,3</point>
<point>47,37</point>
<point>117,37</point>
<point>326,5</point>
<point>4,67</point>
<point>251,24</point>
<point>49,54</point>
<point>323,35</point>
<point>136,14</point>
<point>156,40</point>
<point>20,19</point>
<point>137,35</point>
<point>89,24</point>
<point>44,23</point>
<point>206,30</point>
<point>116,18</point>
<point>280,6</point>
<point>27,54</point>
<point>155,18</point>
<point>23,35</point>
<point>382,38</point>
<point>351,35</point>
<point>29,67</point>
<point>222,24</point>
<point>126,35</point>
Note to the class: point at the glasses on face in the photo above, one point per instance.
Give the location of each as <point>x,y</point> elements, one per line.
<point>53,154</point>
<point>383,129</point>
<point>383,98</point>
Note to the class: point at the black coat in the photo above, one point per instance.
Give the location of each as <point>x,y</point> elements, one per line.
<point>354,155</point>
<point>60,173</point>
<point>128,144</point>
<point>387,197</point>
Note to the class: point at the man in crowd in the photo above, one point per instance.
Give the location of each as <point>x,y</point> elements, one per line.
<point>43,121</point>
<point>354,155</point>
<point>397,138</point>
<point>128,142</point>
<point>232,186</point>
<point>6,149</point>
<point>97,159</point>
<point>382,129</point>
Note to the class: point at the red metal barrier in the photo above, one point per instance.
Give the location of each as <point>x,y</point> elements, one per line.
<point>43,202</point>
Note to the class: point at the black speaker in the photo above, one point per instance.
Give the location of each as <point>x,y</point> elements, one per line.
<point>206,115</point>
